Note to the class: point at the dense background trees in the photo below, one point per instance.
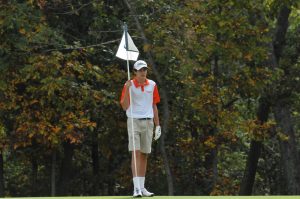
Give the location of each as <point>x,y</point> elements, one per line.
<point>228,73</point>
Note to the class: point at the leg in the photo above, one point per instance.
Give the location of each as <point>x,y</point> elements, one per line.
<point>139,159</point>
<point>146,141</point>
<point>141,167</point>
<point>141,164</point>
<point>135,169</point>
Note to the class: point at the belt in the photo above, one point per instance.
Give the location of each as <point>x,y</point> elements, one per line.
<point>147,118</point>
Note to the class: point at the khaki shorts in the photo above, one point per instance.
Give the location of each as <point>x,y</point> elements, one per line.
<point>143,134</point>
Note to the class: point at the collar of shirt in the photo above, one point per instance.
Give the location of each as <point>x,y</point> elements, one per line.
<point>137,84</point>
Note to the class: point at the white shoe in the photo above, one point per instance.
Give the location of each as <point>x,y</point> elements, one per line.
<point>146,193</point>
<point>137,193</point>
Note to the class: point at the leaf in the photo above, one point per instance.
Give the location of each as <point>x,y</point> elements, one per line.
<point>22,31</point>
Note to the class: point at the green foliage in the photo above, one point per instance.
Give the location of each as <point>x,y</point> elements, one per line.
<point>24,30</point>
<point>60,82</point>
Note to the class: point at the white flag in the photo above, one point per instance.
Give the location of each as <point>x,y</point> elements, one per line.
<point>133,52</point>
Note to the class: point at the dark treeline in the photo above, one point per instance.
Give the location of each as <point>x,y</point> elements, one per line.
<point>229,78</point>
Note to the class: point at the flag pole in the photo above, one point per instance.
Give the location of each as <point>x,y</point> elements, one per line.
<point>126,46</point>
<point>130,100</point>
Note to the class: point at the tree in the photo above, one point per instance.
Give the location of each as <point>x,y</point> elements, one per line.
<point>279,109</point>
<point>282,108</point>
<point>228,74</point>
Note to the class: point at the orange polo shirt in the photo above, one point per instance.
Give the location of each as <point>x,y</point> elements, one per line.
<point>143,98</point>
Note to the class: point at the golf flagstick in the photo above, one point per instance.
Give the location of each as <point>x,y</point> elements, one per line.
<point>131,54</point>
<point>130,101</point>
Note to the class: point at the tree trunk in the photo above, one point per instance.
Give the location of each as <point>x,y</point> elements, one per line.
<point>288,150</point>
<point>264,106</point>
<point>1,175</point>
<point>164,96</point>
<point>53,174</point>
<point>289,156</point>
<point>95,162</point>
<point>66,169</point>
<point>34,174</point>
<point>210,164</point>
<point>95,155</point>
<point>282,26</point>
<point>254,152</point>
<point>211,159</point>
<point>251,167</point>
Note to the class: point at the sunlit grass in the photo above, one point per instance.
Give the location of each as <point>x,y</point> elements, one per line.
<point>170,197</point>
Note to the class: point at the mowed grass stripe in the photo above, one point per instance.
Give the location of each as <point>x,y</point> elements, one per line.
<point>167,197</point>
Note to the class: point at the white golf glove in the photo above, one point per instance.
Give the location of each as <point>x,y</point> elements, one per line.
<point>157,133</point>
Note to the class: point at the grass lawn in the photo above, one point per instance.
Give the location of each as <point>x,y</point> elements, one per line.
<point>171,197</point>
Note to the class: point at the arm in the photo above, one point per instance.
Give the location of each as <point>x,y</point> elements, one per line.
<point>155,112</point>
<point>125,101</point>
<point>157,132</point>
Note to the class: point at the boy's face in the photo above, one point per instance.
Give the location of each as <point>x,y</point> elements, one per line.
<point>142,73</point>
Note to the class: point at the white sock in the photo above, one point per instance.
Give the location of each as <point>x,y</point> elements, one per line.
<point>136,183</point>
<point>142,182</point>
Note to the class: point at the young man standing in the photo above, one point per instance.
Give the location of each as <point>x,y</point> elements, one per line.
<point>142,116</point>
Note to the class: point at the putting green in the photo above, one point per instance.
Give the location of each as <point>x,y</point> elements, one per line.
<point>171,197</point>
